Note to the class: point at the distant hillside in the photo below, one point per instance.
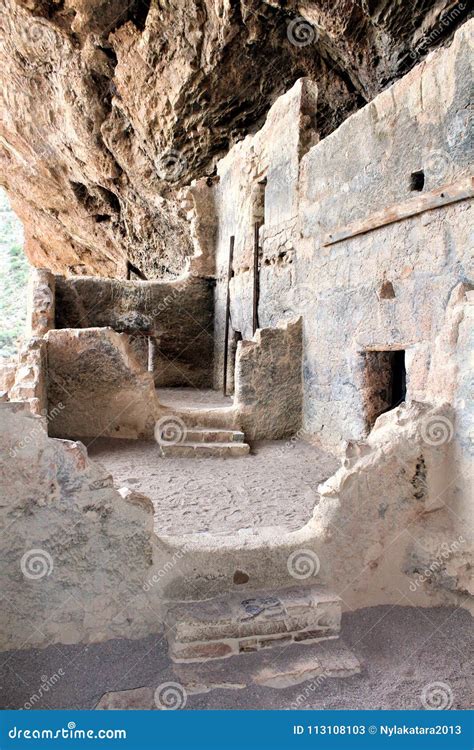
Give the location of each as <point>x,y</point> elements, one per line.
<point>14,270</point>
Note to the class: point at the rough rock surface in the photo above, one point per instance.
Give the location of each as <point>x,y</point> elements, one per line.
<point>75,552</point>
<point>109,107</point>
<point>103,390</point>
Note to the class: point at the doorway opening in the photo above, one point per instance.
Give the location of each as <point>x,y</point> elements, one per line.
<point>384,382</point>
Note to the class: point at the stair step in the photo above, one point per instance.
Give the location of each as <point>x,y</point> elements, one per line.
<point>213,435</point>
<point>279,669</point>
<point>245,622</point>
<point>204,450</point>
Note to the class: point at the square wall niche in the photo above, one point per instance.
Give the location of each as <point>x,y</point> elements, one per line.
<point>384,382</point>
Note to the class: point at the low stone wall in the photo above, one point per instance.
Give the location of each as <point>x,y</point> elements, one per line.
<point>268,388</point>
<point>178,315</point>
<point>24,376</point>
<point>103,389</point>
<point>75,552</point>
<point>389,527</point>
<point>40,302</point>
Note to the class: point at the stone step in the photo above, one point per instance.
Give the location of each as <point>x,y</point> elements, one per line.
<point>213,435</point>
<point>204,450</point>
<point>279,668</point>
<point>241,623</point>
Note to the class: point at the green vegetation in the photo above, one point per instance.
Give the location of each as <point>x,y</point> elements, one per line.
<point>14,270</point>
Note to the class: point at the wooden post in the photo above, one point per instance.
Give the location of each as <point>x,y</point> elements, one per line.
<point>151,353</point>
<point>227,313</point>
<point>255,278</point>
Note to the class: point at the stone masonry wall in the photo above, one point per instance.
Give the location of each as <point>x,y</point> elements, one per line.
<point>101,387</point>
<point>382,288</point>
<point>419,124</point>
<point>268,390</point>
<point>242,198</point>
<point>178,315</point>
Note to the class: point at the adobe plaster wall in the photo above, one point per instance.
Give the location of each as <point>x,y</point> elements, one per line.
<point>75,552</point>
<point>100,386</point>
<point>313,191</point>
<point>177,314</point>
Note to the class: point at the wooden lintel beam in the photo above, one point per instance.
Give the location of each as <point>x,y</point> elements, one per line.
<point>457,191</point>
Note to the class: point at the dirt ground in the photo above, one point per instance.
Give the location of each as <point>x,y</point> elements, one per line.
<point>276,485</point>
<point>402,650</point>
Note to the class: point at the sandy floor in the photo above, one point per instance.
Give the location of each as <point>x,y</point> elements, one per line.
<point>402,650</point>
<point>193,398</point>
<point>274,486</point>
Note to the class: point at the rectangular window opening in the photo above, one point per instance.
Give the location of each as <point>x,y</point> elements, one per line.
<point>384,382</point>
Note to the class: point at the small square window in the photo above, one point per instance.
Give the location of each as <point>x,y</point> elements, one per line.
<point>417,180</point>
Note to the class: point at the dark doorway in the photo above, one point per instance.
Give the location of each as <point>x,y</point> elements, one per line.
<point>384,382</point>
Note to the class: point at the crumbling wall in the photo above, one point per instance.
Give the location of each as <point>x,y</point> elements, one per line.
<point>177,315</point>
<point>75,552</point>
<point>388,528</point>
<point>398,495</point>
<point>23,376</point>
<point>268,389</point>
<point>102,388</point>
<point>40,302</point>
<point>258,183</point>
